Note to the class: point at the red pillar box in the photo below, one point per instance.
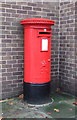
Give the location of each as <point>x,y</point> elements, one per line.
<point>37,51</point>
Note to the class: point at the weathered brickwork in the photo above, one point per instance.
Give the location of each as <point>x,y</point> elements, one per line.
<point>12,42</point>
<point>67,52</point>
<point>76,48</point>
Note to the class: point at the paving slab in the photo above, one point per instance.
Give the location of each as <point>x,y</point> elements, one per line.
<point>61,106</point>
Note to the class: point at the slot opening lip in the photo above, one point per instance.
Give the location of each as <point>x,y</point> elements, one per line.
<point>44,32</point>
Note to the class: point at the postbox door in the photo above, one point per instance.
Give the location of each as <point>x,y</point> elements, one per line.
<point>45,58</point>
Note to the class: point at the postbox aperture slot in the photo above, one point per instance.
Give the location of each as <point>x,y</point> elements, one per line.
<point>44,32</point>
<point>44,45</point>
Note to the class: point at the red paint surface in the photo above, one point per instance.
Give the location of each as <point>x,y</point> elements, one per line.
<point>36,62</point>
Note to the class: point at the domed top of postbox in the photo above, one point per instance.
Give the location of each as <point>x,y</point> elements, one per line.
<point>37,21</point>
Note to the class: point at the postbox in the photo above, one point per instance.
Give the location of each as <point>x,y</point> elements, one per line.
<point>37,52</point>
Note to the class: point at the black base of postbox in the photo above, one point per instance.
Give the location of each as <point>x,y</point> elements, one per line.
<point>37,93</point>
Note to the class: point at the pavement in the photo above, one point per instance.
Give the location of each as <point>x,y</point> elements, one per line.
<point>61,106</point>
